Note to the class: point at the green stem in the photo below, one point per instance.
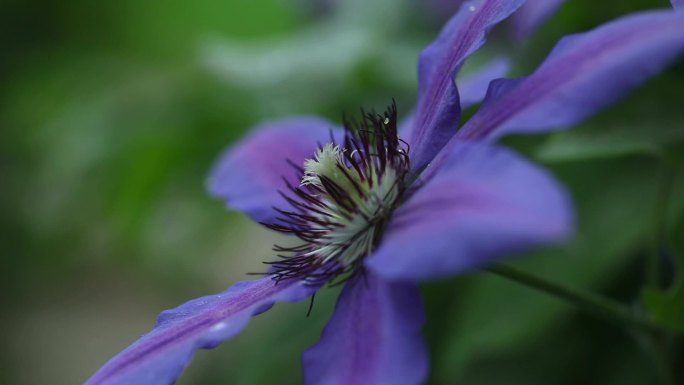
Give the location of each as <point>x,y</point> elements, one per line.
<point>665,185</point>
<point>586,301</point>
<point>656,348</point>
<point>657,343</point>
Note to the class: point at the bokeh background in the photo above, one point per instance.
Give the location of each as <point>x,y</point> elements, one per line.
<point>112,114</point>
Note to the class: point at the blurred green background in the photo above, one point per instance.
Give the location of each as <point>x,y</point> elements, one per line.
<point>112,114</point>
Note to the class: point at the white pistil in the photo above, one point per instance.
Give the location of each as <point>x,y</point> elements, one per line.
<point>324,163</point>
<point>373,195</point>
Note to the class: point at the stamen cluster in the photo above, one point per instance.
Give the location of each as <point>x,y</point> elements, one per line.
<point>347,194</point>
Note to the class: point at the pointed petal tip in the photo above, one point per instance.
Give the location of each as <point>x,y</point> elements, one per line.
<point>159,357</point>
<point>583,74</point>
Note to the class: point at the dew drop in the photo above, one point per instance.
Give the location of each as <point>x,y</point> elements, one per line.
<point>218,327</point>
<point>471,8</point>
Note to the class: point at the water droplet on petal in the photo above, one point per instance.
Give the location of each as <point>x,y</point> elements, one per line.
<point>218,327</point>
<point>471,8</point>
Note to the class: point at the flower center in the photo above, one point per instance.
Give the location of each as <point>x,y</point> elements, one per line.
<point>347,194</point>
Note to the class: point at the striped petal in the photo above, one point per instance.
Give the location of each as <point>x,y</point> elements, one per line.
<point>438,109</point>
<point>374,337</point>
<point>159,357</point>
<point>582,75</point>
<point>484,204</point>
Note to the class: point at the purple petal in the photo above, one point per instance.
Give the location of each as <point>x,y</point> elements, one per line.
<point>532,15</point>
<point>160,356</point>
<point>374,337</point>
<point>250,174</point>
<point>678,4</point>
<point>438,110</point>
<point>483,204</point>
<point>583,74</point>
<point>473,87</point>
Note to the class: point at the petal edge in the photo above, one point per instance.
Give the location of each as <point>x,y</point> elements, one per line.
<point>159,357</point>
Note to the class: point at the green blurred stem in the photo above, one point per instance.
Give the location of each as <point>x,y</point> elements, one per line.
<point>583,300</point>
<point>665,184</point>
<point>656,347</point>
<point>657,343</point>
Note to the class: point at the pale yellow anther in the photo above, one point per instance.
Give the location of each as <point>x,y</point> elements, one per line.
<point>372,195</point>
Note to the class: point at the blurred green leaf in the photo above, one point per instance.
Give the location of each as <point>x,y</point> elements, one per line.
<point>647,123</point>
<point>636,136</point>
<point>667,307</point>
<point>320,61</point>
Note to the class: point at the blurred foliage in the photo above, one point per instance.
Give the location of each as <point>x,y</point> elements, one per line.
<point>111,115</point>
<point>666,306</point>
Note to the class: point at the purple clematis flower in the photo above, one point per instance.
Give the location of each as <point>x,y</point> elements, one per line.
<point>381,205</point>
